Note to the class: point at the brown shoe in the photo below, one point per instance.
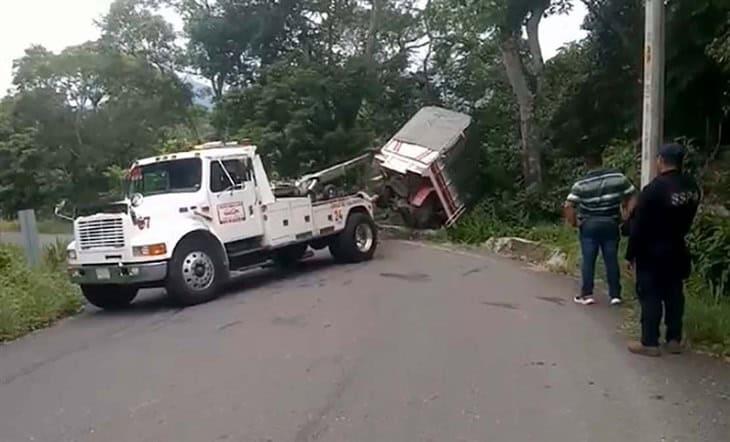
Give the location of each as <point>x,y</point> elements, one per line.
<point>638,348</point>
<point>674,347</point>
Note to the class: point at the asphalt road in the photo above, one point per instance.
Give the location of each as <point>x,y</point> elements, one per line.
<point>419,345</point>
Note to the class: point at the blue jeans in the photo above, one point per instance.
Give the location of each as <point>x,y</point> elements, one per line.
<point>600,235</point>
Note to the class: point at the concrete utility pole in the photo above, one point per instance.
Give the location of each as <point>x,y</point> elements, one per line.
<point>31,240</point>
<point>653,128</point>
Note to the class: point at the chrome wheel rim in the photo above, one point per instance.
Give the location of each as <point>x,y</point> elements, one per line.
<point>364,237</point>
<point>198,271</point>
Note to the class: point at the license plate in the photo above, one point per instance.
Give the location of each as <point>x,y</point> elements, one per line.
<point>103,274</point>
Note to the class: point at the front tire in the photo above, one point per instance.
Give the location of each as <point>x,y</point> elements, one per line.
<point>109,297</point>
<point>196,271</point>
<point>358,241</point>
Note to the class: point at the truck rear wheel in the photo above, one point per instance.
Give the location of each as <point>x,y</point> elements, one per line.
<point>109,297</point>
<point>358,241</point>
<point>196,271</point>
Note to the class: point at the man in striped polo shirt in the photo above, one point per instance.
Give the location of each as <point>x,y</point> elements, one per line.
<point>595,206</point>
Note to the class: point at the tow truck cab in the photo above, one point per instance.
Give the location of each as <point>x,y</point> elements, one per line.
<point>188,219</point>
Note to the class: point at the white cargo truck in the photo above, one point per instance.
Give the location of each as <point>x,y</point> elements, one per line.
<point>189,219</point>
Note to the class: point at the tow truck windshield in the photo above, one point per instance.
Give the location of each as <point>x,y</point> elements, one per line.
<point>177,176</point>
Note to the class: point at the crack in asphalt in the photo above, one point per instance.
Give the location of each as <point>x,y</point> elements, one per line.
<point>473,271</point>
<point>229,325</point>
<point>553,300</point>
<point>410,277</point>
<point>315,428</point>
<point>504,305</point>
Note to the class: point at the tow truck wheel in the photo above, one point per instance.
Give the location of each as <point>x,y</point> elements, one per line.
<point>358,241</point>
<point>195,272</point>
<point>288,256</point>
<point>109,297</point>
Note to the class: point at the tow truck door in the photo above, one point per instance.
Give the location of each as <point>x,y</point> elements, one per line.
<point>233,199</point>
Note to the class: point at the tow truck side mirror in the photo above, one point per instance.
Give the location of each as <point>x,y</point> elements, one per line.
<point>58,211</point>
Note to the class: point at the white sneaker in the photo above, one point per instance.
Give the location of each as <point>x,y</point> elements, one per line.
<point>616,301</point>
<point>584,300</point>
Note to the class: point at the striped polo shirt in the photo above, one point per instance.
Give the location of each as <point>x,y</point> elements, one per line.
<point>600,193</point>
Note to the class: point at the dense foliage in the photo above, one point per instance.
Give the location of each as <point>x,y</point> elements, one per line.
<point>316,81</point>
<point>312,82</point>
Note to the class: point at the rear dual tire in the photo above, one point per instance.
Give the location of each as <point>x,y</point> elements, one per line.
<point>357,242</point>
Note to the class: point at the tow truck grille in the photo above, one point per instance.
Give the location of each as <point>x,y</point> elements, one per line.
<point>101,234</point>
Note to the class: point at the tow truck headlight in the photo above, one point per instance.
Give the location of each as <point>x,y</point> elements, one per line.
<point>71,255</point>
<point>150,250</point>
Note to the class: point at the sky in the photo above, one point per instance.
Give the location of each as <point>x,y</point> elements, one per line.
<point>56,24</point>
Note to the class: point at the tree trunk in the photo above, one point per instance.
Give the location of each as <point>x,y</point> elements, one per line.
<point>531,141</point>
<point>429,51</point>
<point>331,14</point>
<point>217,82</point>
<point>373,31</point>
<point>532,27</point>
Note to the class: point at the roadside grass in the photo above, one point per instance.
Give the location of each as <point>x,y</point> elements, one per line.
<point>561,238</point>
<point>45,226</point>
<point>31,299</point>
<point>707,315</point>
<point>707,319</point>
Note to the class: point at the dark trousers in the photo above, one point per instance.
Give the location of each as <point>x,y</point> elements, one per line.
<point>660,294</point>
<point>603,236</point>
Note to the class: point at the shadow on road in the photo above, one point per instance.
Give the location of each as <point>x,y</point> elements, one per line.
<point>241,285</point>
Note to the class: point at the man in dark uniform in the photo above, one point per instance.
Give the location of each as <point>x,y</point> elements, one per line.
<point>658,252</point>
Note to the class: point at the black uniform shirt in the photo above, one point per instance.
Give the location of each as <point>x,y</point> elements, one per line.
<point>660,223</point>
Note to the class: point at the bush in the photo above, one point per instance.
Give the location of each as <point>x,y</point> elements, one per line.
<point>710,246</point>
<point>707,319</point>
<point>479,224</point>
<point>54,256</point>
<point>623,155</point>
<point>31,298</point>
<point>495,216</point>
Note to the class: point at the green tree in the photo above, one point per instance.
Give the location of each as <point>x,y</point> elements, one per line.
<point>327,98</point>
<point>79,112</point>
<point>504,24</point>
<point>300,118</point>
<point>137,29</point>
<point>228,40</point>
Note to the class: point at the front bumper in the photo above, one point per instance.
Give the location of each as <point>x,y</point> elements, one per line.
<point>123,274</point>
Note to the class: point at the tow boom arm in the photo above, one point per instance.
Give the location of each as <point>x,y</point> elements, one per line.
<point>310,181</point>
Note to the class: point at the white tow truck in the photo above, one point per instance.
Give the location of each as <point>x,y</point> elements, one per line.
<point>189,219</point>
